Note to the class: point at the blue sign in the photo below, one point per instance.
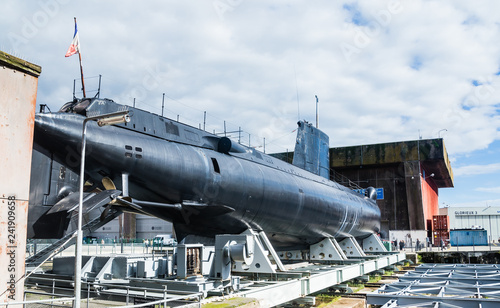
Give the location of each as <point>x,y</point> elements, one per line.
<point>380,194</point>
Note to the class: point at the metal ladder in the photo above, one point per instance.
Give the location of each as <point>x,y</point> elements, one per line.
<point>69,239</point>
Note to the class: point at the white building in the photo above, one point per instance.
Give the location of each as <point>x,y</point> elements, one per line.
<point>146,228</point>
<point>487,217</point>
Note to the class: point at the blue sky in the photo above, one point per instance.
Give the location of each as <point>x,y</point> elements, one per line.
<point>383,71</point>
<point>477,180</point>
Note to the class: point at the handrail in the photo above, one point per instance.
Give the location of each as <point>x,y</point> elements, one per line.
<point>345,181</point>
<point>38,301</point>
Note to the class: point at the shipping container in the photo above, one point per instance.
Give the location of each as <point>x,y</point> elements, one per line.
<point>440,222</point>
<point>469,237</point>
<point>439,235</point>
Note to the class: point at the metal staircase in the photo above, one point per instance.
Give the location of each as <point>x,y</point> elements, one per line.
<point>70,239</point>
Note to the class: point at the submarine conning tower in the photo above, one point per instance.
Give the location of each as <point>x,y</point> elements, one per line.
<point>312,150</point>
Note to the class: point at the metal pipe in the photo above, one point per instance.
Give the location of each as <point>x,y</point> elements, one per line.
<point>79,235</point>
<point>125,191</point>
<point>78,252</point>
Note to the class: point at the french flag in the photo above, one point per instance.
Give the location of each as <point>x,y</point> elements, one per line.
<point>75,44</point>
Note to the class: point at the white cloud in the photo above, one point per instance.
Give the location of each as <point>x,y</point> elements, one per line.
<point>476,169</point>
<point>495,190</point>
<point>413,71</point>
<point>482,203</point>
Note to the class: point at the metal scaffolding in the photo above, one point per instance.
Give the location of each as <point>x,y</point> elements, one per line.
<point>443,285</point>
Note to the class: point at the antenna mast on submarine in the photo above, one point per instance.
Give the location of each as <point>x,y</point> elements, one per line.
<point>163,105</point>
<point>316,110</point>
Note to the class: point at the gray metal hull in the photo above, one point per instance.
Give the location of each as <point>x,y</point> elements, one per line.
<point>238,190</point>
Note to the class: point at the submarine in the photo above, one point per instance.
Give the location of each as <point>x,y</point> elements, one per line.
<point>203,183</point>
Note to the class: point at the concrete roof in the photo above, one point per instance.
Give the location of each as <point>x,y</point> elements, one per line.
<point>19,64</point>
<point>430,152</point>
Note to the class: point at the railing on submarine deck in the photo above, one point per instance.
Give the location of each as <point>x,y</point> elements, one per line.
<point>343,180</point>
<point>335,176</point>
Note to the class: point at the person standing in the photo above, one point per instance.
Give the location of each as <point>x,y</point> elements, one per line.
<point>418,245</point>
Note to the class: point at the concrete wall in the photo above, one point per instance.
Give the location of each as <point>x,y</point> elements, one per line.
<point>429,197</point>
<point>393,208</point>
<point>404,206</point>
<point>430,152</point>
<point>18,89</point>
<point>403,170</point>
<point>414,195</point>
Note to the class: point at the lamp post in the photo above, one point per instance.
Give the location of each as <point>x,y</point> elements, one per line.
<point>102,120</point>
<point>439,132</point>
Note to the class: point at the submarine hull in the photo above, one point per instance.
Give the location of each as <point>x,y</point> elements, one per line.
<point>216,191</point>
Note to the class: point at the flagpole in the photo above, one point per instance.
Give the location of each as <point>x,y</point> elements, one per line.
<point>81,70</point>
